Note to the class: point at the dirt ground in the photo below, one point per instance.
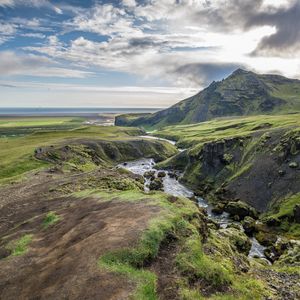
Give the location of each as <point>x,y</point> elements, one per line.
<point>61,262</point>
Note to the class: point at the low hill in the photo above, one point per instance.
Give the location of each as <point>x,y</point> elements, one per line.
<point>242,93</point>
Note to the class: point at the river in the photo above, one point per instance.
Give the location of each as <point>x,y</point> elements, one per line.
<point>173,187</point>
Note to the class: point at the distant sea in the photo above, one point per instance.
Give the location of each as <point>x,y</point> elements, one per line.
<point>71,111</point>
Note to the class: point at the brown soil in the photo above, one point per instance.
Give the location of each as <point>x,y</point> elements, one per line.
<point>61,262</point>
<point>165,269</point>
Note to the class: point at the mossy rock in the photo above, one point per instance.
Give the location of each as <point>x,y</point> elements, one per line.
<point>149,174</point>
<point>238,239</point>
<point>249,225</point>
<point>156,184</point>
<point>241,210</point>
<point>266,238</point>
<point>291,255</point>
<point>218,208</point>
<point>161,174</point>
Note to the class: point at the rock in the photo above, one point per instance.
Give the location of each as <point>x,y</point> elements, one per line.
<point>271,221</point>
<point>240,209</point>
<point>249,225</point>
<point>236,218</point>
<point>274,252</point>
<point>149,175</point>
<point>265,238</point>
<point>172,174</point>
<point>281,172</point>
<point>238,239</point>
<point>291,254</point>
<point>293,165</point>
<point>156,184</point>
<point>161,174</point>
<point>218,209</point>
<point>296,213</point>
<point>213,224</point>
<point>234,225</point>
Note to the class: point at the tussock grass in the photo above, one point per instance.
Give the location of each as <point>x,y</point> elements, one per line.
<point>50,219</point>
<point>20,246</point>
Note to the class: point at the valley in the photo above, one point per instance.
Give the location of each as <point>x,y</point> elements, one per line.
<point>74,210</point>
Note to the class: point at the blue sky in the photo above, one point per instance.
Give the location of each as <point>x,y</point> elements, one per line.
<point>131,53</point>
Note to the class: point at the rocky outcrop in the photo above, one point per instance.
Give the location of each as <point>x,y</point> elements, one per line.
<point>156,185</point>
<point>239,210</point>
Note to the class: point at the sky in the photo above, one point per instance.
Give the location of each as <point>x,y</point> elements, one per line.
<point>132,53</point>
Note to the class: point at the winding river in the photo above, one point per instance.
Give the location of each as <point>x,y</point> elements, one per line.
<point>173,187</point>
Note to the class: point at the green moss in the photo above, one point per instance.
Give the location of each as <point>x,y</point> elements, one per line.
<point>50,219</point>
<point>282,211</point>
<point>217,129</point>
<point>20,246</point>
<point>195,264</point>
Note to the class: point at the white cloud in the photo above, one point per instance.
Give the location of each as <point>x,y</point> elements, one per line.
<point>7,29</point>
<point>106,20</point>
<point>35,3</point>
<point>129,3</point>
<point>32,65</point>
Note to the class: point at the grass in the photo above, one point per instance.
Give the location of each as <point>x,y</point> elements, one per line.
<point>50,219</point>
<point>195,134</point>
<point>8,122</point>
<point>195,264</point>
<point>16,153</point>
<point>129,262</point>
<point>20,246</point>
<point>283,212</point>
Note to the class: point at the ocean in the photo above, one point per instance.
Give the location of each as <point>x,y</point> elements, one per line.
<point>71,111</point>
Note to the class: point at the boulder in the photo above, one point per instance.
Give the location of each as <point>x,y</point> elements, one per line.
<point>156,184</point>
<point>267,239</point>
<point>238,239</point>
<point>172,174</point>
<point>218,209</point>
<point>249,225</point>
<point>149,175</point>
<point>291,254</point>
<point>272,221</point>
<point>161,174</point>
<point>240,210</point>
<point>275,251</point>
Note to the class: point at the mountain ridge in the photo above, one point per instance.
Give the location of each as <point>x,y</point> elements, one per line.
<point>240,94</point>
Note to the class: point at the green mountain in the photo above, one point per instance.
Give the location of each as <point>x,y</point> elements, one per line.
<point>242,93</point>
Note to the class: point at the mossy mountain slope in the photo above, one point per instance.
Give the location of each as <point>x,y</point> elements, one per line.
<point>242,93</point>
<point>254,159</point>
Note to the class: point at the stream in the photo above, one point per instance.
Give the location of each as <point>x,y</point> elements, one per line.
<point>173,187</point>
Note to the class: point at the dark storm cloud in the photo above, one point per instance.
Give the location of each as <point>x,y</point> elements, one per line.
<point>247,14</point>
<point>286,39</point>
<point>204,73</point>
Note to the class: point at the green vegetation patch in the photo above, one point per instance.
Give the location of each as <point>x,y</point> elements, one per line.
<point>283,213</point>
<point>50,219</point>
<point>20,246</point>
<point>191,135</point>
<point>16,153</point>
